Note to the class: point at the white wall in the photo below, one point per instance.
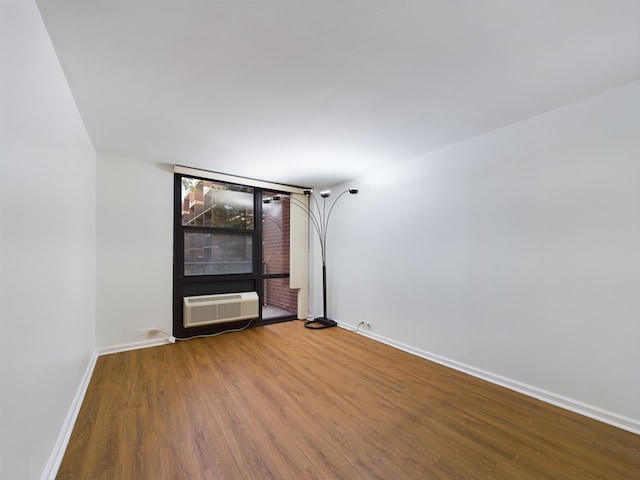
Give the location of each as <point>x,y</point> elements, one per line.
<point>134,251</point>
<point>47,245</point>
<point>515,254</point>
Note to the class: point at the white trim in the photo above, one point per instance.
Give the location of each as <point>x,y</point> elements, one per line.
<point>55,459</point>
<point>223,177</point>
<point>125,347</point>
<point>611,418</point>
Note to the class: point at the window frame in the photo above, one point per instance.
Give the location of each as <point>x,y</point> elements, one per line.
<point>213,230</point>
<point>190,285</point>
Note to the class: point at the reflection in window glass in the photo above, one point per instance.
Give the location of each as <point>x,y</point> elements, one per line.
<point>217,253</point>
<point>275,234</point>
<point>220,205</point>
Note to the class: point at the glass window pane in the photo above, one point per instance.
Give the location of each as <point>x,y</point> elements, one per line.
<point>213,204</point>
<point>217,253</point>
<point>278,299</point>
<point>275,234</point>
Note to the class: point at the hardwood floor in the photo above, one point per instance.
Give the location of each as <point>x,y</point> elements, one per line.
<point>284,402</point>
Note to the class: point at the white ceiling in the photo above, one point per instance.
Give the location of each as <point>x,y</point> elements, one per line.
<point>313,92</point>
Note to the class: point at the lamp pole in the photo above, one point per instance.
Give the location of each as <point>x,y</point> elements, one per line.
<point>319,217</point>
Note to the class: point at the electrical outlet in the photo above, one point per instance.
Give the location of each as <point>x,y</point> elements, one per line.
<point>367,324</point>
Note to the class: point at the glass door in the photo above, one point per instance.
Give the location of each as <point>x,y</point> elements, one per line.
<point>279,301</point>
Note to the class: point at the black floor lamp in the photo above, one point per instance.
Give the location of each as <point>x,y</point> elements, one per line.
<point>319,217</point>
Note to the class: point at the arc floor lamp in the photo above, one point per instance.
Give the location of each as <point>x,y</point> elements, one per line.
<point>319,216</point>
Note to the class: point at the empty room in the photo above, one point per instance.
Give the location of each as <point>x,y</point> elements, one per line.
<point>302,239</point>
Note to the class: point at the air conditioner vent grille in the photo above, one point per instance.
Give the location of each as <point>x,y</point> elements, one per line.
<point>211,309</point>
<point>209,298</point>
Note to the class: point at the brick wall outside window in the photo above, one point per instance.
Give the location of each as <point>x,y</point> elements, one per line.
<point>276,234</point>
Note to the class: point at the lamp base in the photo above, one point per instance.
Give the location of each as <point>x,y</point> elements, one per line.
<point>320,322</point>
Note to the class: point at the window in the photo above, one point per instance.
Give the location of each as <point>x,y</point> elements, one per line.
<point>277,297</point>
<point>229,238</point>
<point>217,253</point>
<point>218,227</point>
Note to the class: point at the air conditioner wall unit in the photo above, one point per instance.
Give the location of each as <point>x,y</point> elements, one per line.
<point>212,309</point>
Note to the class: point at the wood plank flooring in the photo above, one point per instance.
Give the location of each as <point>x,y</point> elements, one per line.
<point>285,402</point>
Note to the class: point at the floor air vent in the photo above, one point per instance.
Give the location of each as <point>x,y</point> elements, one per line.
<point>228,307</point>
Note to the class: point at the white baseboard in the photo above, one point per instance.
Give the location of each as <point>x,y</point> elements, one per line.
<point>124,347</point>
<point>52,466</point>
<point>51,469</point>
<point>576,406</point>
